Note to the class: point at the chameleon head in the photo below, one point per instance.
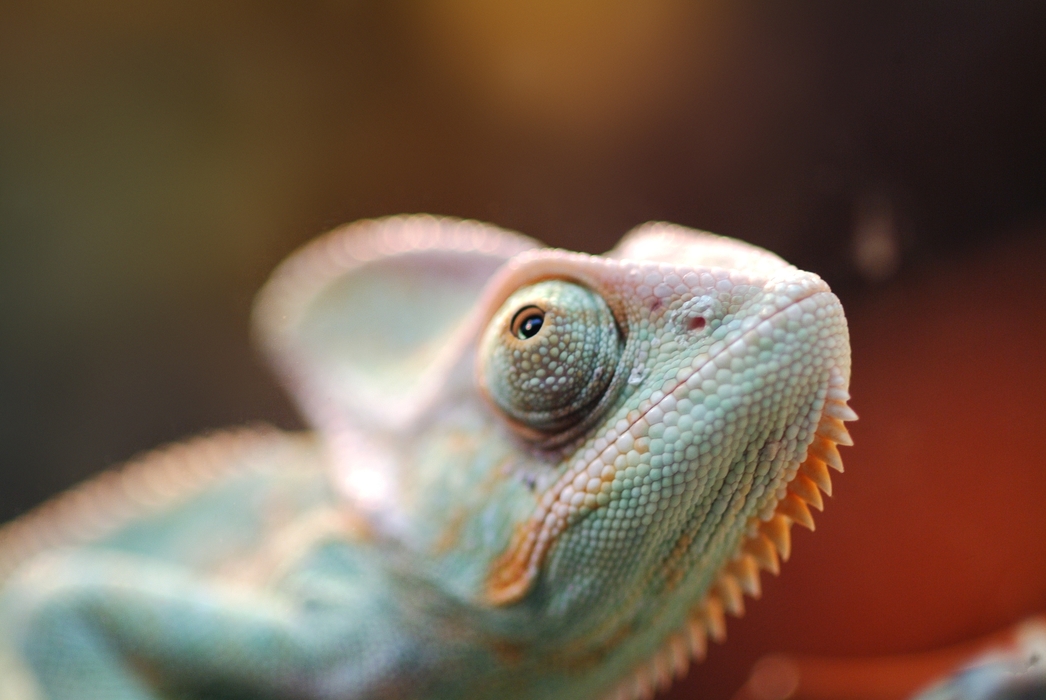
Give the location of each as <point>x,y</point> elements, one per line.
<point>680,404</point>
<point>649,422</point>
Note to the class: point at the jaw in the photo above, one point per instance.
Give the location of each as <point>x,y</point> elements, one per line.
<point>689,429</point>
<point>765,543</point>
<point>628,651</point>
<point>688,565</point>
<point>636,643</point>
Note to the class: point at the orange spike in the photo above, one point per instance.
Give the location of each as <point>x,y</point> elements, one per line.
<point>746,571</point>
<point>817,471</point>
<point>715,619</point>
<point>776,528</point>
<point>833,429</point>
<point>680,655</point>
<point>661,670</point>
<point>643,686</point>
<point>795,508</point>
<point>839,409</point>
<point>804,487</point>
<point>837,393</point>
<point>729,591</point>
<point>762,550</point>
<point>697,638</point>
<point>825,450</point>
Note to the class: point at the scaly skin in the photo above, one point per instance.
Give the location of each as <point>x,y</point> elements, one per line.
<point>558,504</point>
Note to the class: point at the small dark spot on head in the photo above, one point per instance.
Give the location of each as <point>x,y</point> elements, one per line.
<point>656,305</point>
<point>695,323</point>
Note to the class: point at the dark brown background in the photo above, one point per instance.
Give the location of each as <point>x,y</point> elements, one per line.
<point>157,160</point>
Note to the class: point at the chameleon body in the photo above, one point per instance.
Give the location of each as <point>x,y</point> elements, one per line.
<point>533,474</point>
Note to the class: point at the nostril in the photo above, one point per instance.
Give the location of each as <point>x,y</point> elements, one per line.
<point>695,323</point>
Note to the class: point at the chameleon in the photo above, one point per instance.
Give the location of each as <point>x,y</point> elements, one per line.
<point>530,473</point>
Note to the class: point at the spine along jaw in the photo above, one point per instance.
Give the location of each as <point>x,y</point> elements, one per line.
<point>766,544</point>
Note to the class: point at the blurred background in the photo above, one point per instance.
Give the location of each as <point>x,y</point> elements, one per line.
<point>157,159</point>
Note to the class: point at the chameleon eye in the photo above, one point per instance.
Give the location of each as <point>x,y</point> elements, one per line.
<point>549,356</point>
<point>527,322</point>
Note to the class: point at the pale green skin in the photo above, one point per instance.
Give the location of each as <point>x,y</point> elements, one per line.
<point>380,347</point>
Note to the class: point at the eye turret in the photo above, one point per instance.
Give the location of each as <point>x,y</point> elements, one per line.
<point>549,355</point>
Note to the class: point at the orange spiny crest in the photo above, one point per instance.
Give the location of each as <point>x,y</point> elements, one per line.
<point>730,593</point>
<point>767,544</point>
<point>817,471</point>
<point>746,571</point>
<point>839,409</point>
<point>763,552</point>
<point>834,429</point>
<point>661,670</point>
<point>696,637</point>
<point>777,530</point>
<point>805,488</point>
<point>714,618</point>
<point>680,655</point>
<point>794,508</point>
<point>825,450</point>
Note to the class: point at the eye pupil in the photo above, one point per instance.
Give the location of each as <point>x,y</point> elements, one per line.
<point>530,325</point>
<point>528,322</point>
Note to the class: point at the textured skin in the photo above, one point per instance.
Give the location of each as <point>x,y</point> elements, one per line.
<point>477,514</point>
